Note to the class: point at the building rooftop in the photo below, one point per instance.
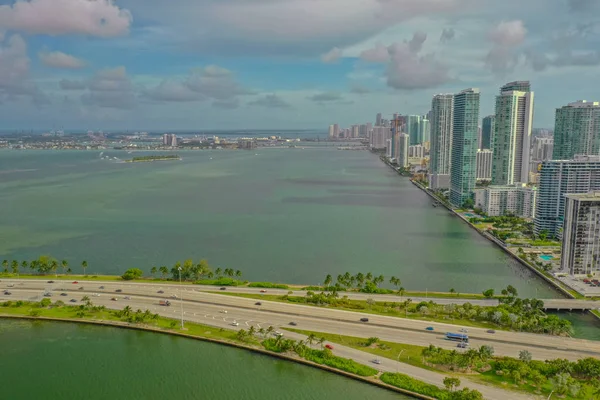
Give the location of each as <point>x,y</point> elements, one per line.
<point>584,104</point>
<point>591,196</point>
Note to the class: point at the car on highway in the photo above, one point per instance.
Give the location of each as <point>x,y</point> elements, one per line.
<point>173,296</point>
<point>277,333</point>
<point>118,291</point>
<point>235,323</point>
<point>491,331</point>
<point>127,298</point>
<point>258,303</point>
<point>462,345</point>
<point>63,294</point>
<point>47,294</point>
<point>50,281</point>
<point>430,328</point>
<point>114,299</point>
<point>328,346</point>
<point>6,292</point>
<point>263,291</point>
<point>75,282</point>
<point>293,323</point>
<point>364,320</point>
<point>376,361</point>
<point>223,311</point>
<point>81,288</point>
<point>464,330</point>
<point>11,285</point>
<point>101,287</point>
<point>96,294</point>
<point>160,291</point>
<point>73,301</point>
<point>223,288</point>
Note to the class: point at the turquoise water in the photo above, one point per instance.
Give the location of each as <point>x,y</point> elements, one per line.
<point>286,215</point>
<point>546,257</point>
<point>44,360</point>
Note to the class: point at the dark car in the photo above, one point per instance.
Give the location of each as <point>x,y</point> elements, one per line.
<point>160,291</point>
<point>63,294</point>
<point>101,287</point>
<point>223,288</point>
<point>81,288</point>
<point>491,331</point>
<point>50,281</point>
<point>6,292</point>
<point>364,320</point>
<point>462,345</point>
<point>293,323</point>
<point>118,291</point>
<point>429,328</point>
<point>73,301</point>
<point>258,303</point>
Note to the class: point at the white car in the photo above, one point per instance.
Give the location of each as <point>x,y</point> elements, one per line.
<point>96,294</point>
<point>277,333</point>
<point>235,323</point>
<point>376,361</point>
<point>223,311</point>
<point>173,296</point>
<point>464,330</point>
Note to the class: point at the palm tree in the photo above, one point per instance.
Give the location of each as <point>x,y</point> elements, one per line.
<point>452,291</point>
<point>252,330</point>
<point>238,273</point>
<point>321,341</point>
<point>311,339</point>
<point>24,265</point>
<point>261,332</point>
<point>153,271</point>
<point>64,265</point>
<point>327,280</point>
<point>15,266</point>
<point>127,311</point>
<point>54,266</point>
<point>85,298</point>
<point>84,266</point>
<point>5,265</point>
<point>69,270</point>
<point>164,271</point>
<point>369,276</point>
<point>218,271</point>
<point>270,330</point>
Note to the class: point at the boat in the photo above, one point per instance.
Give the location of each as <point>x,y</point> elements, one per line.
<point>434,204</point>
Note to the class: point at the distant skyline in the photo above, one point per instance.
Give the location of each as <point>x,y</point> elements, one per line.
<point>282,64</point>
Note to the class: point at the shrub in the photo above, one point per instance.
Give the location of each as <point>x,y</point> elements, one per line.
<point>219,282</point>
<point>132,273</point>
<point>268,285</point>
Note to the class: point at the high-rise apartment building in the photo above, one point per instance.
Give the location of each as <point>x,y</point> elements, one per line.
<point>463,171</point>
<point>379,137</point>
<point>542,148</point>
<point>581,236</point>
<point>484,165</point>
<point>416,151</point>
<point>440,149</point>
<point>512,136</point>
<point>378,120</point>
<point>336,131</point>
<point>403,144</point>
<point>577,130</point>
<point>558,178</point>
<point>355,131</point>
<point>413,124</point>
<point>487,132</point>
<point>331,132</point>
<point>369,129</point>
<point>424,130</point>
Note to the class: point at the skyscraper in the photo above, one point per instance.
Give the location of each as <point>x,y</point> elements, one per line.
<point>403,143</point>
<point>355,131</point>
<point>577,130</point>
<point>560,177</point>
<point>484,165</point>
<point>424,130</point>
<point>512,136</point>
<point>442,111</point>
<point>336,131</point>
<point>378,120</point>
<point>413,123</point>
<point>487,132</point>
<point>463,172</point>
<point>581,237</point>
<point>331,132</point>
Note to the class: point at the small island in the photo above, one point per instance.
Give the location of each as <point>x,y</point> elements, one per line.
<point>163,157</point>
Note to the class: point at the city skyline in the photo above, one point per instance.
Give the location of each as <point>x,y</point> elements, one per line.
<point>145,65</point>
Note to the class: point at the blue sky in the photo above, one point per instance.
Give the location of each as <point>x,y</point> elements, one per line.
<point>277,64</point>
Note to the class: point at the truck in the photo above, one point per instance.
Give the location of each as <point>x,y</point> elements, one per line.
<point>165,303</point>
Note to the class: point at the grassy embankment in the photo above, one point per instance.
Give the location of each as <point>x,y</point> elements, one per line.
<point>413,355</point>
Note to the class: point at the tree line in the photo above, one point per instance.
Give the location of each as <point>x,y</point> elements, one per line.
<point>43,265</point>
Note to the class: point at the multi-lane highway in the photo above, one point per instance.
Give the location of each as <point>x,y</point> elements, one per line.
<point>205,307</point>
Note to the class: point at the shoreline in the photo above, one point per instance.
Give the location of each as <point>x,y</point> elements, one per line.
<point>495,241</point>
<point>125,325</point>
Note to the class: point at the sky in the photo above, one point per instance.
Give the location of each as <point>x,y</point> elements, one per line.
<point>283,64</point>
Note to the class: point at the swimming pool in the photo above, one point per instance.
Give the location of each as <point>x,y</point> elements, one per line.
<point>546,257</point>
<point>469,215</point>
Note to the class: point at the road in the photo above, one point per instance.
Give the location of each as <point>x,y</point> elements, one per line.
<point>206,304</point>
<point>213,314</point>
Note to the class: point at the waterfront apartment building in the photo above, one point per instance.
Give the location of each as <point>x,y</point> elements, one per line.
<point>577,130</point>
<point>464,146</point>
<point>416,151</point>
<point>581,234</point>
<point>413,128</point>
<point>484,165</point>
<point>378,120</point>
<point>517,199</point>
<point>512,135</point>
<point>170,139</point>
<point>379,137</point>
<point>355,131</point>
<point>558,178</point>
<point>403,145</point>
<point>424,130</point>
<point>331,132</point>
<point>487,132</point>
<point>440,149</point>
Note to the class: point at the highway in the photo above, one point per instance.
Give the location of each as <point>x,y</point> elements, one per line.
<point>209,310</point>
<point>206,306</point>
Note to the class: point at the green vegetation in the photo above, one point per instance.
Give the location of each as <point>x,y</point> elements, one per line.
<point>408,383</point>
<point>155,158</point>
<point>223,281</point>
<point>268,285</point>
<point>131,274</point>
<point>567,379</point>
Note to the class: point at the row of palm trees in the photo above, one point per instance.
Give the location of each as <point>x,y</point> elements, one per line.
<point>361,281</point>
<point>43,265</point>
<point>190,271</point>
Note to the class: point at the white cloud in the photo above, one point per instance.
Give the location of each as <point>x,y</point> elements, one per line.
<point>59,17</point>
<point>508,33</point>
<point>58,59</point>
<point>506,37</point>
<point>332,55</point>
